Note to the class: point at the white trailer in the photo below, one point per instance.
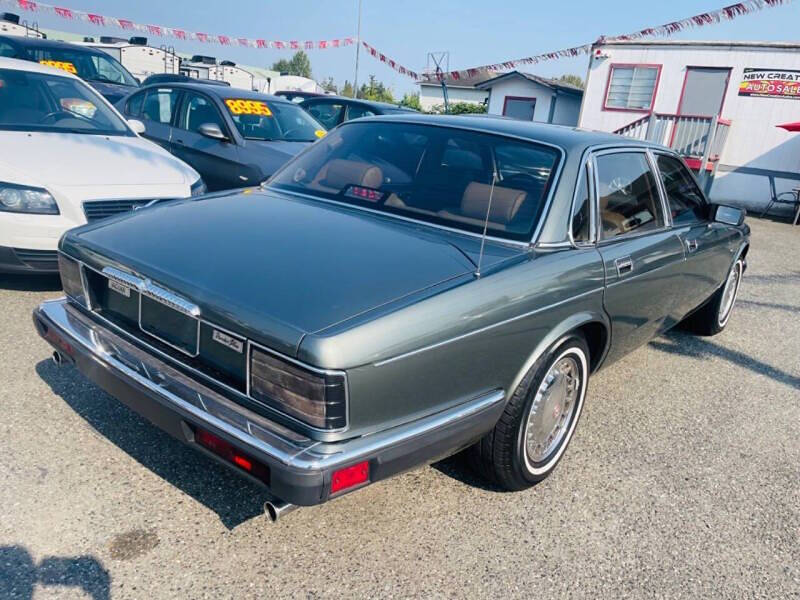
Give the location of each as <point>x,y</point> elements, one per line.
<point>718,103</point>
<point>136,56</point>
<point>206,67</point>
<point>11,25</point>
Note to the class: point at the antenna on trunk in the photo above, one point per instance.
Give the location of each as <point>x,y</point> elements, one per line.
<point>486,224</point>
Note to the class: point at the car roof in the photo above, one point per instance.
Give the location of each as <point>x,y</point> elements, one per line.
<point>34,43</point>
<point>568,138</point>
<point>33,67</point>
<point>220,91</point>
<point>368,103</point>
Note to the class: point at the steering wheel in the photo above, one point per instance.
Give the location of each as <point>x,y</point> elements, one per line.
<point>288,132</point>
<point>522,179</point>
<point>57,115</point>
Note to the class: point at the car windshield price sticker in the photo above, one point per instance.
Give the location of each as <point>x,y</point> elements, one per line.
<point>239,106</point>
<point>60,64</point>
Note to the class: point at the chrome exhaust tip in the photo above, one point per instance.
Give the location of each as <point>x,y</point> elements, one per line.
<point>57,359</point>
<point>277,509</point>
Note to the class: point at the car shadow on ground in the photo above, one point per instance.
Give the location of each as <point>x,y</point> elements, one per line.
<point>19,575</point>
<point>686,344</point>
<point>234,499</point>
<point>457,467</point>
<point>30,283</point>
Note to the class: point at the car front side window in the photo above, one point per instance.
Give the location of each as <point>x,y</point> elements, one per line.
<point>628,194</point>
<point>685,200</point>
<point>199,110</point>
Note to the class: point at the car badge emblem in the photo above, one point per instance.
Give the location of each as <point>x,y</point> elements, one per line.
<point>228,341</point>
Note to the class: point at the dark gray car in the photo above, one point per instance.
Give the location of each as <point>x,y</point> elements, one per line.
<point>408,287</point>
<point>232,137</point>
<point>333,110</point>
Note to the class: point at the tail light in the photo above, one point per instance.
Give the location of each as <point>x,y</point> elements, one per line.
<point>72,279</point>
<point>318,399</point>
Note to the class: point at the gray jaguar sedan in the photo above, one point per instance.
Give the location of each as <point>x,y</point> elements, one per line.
<point>406,288</point>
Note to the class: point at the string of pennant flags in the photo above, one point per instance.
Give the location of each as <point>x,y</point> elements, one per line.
<point>174,32</point>
<point>726,13</point>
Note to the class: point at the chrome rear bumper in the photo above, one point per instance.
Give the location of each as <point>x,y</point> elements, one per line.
<point>300,468</point>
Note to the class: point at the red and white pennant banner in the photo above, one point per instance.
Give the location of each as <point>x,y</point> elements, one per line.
<point>173,32</point>
<point>727,13</point>
<point>385,59</point>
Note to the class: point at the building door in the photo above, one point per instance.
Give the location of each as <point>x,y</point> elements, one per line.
<point>519,108</point>
<point>703,91</point>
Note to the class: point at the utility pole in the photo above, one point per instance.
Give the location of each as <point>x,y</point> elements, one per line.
<point>358,50</point>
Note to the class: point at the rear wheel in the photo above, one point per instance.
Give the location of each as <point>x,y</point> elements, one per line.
<point>538,422</point>
<point>713,317</point>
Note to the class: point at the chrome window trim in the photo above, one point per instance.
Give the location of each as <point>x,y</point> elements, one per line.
<point>462,336</point>
<point>585,170</point>
<point>555,178</point>
<point>661,190</point>
<point>601,241</point>
<point>237,393</point>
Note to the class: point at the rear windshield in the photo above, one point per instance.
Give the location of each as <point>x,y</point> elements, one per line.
<point>453,177</point>
<point>270,121</point>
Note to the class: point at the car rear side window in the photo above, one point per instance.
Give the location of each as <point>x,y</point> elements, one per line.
<point>327,113</point>
<point>686,203</point>
<point>198,110</point>
<point>159,105</point>
<point>356,112</point>
<point>628,194</point>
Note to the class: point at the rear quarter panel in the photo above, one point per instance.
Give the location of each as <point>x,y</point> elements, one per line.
<point>480,336</point>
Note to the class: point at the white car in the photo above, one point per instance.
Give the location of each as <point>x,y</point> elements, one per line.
<point>67,157</point>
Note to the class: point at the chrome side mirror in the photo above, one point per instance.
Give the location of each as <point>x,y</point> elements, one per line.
<point>137,126</point>
<point>212,130</point>
<point>729,215</point>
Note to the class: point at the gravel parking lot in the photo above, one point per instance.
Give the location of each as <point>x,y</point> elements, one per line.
<point>683,480</point>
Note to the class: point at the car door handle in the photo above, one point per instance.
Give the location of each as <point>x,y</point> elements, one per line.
<point>179,142</point>
<point>624,265</point>
<point>691,245</point>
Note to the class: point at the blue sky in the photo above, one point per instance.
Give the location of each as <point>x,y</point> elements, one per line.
<point>474,31</point>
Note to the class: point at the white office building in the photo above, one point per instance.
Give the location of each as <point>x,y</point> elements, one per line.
<point>718,103</point>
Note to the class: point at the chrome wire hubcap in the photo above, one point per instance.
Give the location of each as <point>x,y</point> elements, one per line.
<point>729,293</point>
<point>552,409</point>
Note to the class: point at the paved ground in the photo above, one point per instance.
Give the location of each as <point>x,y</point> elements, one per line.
<point>683,480</point>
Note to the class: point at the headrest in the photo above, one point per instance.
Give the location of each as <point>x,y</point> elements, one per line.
<point>505,202</point>
<point>340,173</point>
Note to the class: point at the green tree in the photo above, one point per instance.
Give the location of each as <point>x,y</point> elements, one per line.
<point>461,108</point>
<point>411,101</point>
<point>329,86</point>
<point>299,64</point>
<point>375,90</point>
<point>572,80</point>
<point>347,89</point>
